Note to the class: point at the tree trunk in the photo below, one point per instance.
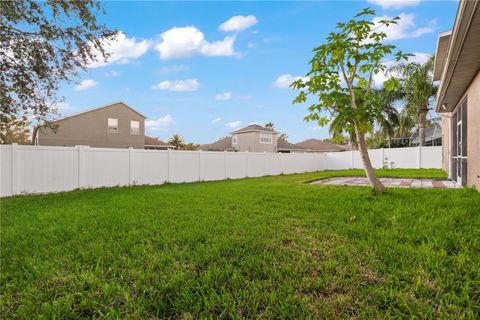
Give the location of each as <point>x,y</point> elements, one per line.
<point>367,164</point>
<point>422,118</point>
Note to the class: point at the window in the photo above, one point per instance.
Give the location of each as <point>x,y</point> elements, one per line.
<point>265,138</point>
<point>134,128</point>
<point>234,139</point>
<point>112,125</point>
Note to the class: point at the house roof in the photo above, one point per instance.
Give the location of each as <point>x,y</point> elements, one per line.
<point>461,63</point>
<point>155,142</point>
<point>319,145</point>
<point>254,127</point>
<point>222,144</point>
<point>101,107</point>
<point>431,134</point>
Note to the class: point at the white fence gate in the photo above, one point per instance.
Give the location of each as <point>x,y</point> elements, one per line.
<point>41,169</point>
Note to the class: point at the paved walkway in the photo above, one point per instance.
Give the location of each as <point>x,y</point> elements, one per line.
<point>390,182</point>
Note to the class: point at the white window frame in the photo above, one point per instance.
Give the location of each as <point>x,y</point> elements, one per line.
<point>234,139</point>
<point>112,128</point>
<point>266,138</point>
<point>134,131</point>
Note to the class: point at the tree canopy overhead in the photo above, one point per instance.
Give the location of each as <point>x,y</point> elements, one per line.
<point>43,44</point>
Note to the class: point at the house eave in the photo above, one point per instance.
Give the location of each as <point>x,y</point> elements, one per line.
<point>97,108</point>
<point>462,61</point>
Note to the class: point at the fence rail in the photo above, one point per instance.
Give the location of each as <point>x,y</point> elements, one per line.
<point>42,169</point>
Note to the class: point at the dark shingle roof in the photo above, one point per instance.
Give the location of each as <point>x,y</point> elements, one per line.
<point>319,145</point>
<point>219,145</point>
<point>150,141</point>
<point>285,145</point>
<point>432,133</point>
<point>253,127</point>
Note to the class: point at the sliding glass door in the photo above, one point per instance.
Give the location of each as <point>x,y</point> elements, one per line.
<point>459,144</point>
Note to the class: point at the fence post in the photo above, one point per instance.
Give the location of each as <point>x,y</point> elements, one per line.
<point>225,165</point>
<point>81,166</point>
<point>15,171</point>
<point>264,163</point>
<point>168,165</point>
<point>383,159</point>
<point>199,165</point>
<point>419,157</point>
<point>352,159</point>
<point>131,168</point>
<point>246,164</point>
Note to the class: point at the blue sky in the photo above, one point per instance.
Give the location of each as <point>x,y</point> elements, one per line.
<point>202,69</point>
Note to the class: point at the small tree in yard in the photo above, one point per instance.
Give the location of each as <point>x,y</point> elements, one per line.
<point>353,55</point>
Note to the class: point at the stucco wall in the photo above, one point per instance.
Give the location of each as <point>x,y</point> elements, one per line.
<point>90,129</point>
<point>473,140</point>
<point>250,141</point>
<point>473,133</point>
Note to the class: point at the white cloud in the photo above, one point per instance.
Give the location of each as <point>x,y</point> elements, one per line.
<point>216,120</point>
<point>250,45</point>
<point>177,85</point>
<point>86,84</point>
<point>238,23</point>
<point>419,57</point>
<point>121,50</point>
<point>285,80</point>
<point>173,69</point>
<point>405,28</point>
<point>234,124</point>
<point>395,4</point>
<point>182,42</point>
<point>112,73</point>
<point>223,96</point>
<point>61,106</point>
<point>160,124</point>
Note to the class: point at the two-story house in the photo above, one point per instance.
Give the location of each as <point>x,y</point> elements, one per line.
<point>112,126</point>
<point>254,138</point>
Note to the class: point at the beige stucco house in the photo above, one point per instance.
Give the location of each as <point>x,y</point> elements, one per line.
<point>457,66</point>
<point>112,126</point>
<point>254,138</point>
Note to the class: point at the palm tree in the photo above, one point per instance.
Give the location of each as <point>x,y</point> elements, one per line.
<point>339,129</point>
<point>418,90</point>
<point>386,117</point>
<point>405,124</point>
<point>269,125</point>
<point>177,141</point>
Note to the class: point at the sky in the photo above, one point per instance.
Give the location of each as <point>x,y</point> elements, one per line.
<point>204,69</point>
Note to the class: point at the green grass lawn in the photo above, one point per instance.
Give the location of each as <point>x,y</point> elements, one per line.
<point>270,247</point>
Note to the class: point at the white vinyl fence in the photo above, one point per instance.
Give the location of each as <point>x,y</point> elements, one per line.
<point>41,169</point>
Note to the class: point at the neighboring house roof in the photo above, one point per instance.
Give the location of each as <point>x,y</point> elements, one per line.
<point>155,142</point>
<point>431,134</point>
<point>319,145</point>
<point>457,63</point>
<point>284,145</point>
<point>101,107</point>
<point>223,144</point>
<point>253,128</point>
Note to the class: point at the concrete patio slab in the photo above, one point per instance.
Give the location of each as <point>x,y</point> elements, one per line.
<point>390,182</point>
